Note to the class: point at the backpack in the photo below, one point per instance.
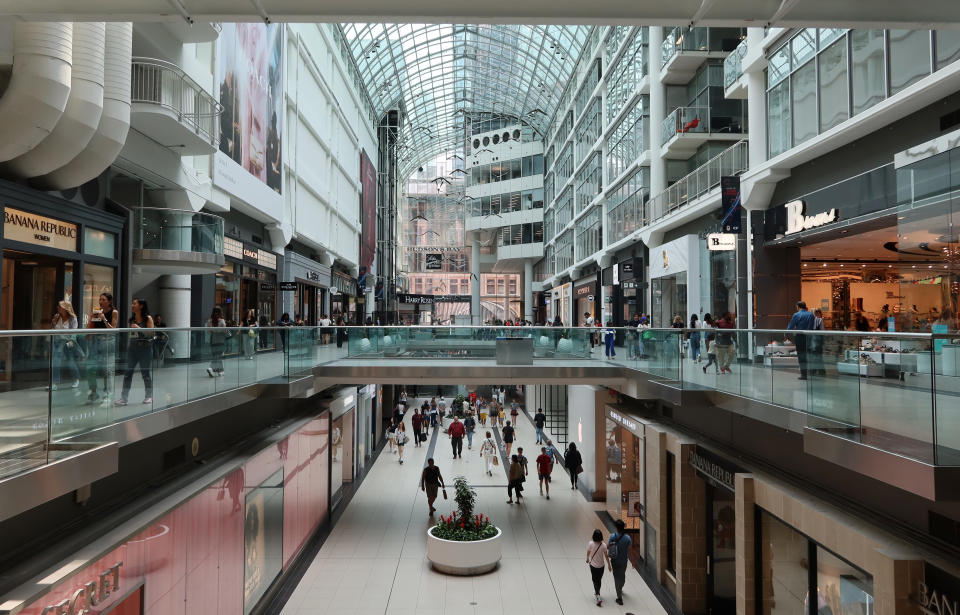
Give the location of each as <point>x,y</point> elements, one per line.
<point>614,547</point>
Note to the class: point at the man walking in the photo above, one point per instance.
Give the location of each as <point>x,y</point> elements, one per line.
<point>430,482</point>
<point>456,431</point>
<point>802,320</point>
<point>618,548</point>
<point>544,469</point>
<point>470,424</point>
<point>539,420</point>
<point>523,463</point>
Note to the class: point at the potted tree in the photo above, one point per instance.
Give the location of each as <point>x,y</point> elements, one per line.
<point>464,543</point>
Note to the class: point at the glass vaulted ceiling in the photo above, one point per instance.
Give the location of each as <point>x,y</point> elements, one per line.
<point>440,74</point>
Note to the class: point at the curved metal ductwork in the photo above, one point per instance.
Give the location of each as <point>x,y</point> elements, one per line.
<point>81,117</point>
<point>39,86</point>
<point>111,133</point>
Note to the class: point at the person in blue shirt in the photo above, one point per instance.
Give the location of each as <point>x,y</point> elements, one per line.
<point>609,338</point>
<point>802,320</point>
<point>619,557</point>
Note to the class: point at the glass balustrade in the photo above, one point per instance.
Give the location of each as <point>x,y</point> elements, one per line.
<point>896,392</point>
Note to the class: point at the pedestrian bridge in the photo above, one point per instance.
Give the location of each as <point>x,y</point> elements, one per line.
<point>66,396</point>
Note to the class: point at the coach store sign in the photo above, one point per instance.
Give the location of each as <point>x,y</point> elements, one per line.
<point>38,230</point>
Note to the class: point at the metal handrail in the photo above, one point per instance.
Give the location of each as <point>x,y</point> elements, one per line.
<point>684,120</point>
<point>163,83</point>
<point>683,39</point>
<point>731,161</point>
<point>733,64</point>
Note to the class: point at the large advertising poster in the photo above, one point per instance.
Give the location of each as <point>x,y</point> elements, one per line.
<point>248,74</point>
<point>368,212</point>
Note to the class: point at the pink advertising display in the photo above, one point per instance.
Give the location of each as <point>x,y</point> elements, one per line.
<point>202,556</point>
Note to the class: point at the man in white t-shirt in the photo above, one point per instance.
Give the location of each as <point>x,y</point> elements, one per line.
<point>588,322</point>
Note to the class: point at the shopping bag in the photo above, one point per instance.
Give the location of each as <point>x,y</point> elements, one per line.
<point>496,461</point>
<point>444,494</point>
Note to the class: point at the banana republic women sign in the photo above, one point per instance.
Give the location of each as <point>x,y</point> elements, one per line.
<point>39,230</point>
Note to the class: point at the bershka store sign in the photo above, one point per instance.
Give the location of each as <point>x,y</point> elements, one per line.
<point>797,221</point>
<point>89,595</point>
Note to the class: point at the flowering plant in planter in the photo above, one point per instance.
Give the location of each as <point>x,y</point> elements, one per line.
<point>463,525</point>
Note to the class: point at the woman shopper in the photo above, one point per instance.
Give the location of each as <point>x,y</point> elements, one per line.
<point>574,463</point>
<point>709,347</point>
<point>516,479</point>
<point>250,323</point>
<point>694,334</point>
<point>488,451</point>
<point>508,436</point>
<point>597,554</point>
<point>65,347</point>
<point>392,436</point>
<point>100,355</point>
<point>217,340</point>
<point>401,440</point>
<point>139,352</point>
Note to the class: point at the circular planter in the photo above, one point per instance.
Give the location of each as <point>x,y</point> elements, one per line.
<point>544,341</point>
<point>463,558</point>
<point>565,346</point>
<point>446,423</point>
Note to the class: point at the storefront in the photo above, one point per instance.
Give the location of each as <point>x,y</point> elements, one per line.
<point>217,550</point>
<point>248,281</point>
<point>310,295</point>
<point>53,250</point>
<point>561,304</point>
<point>432,309</point>
<point>628,290</point>
<point>625,472</point>
<point>343,421</point>
<point>875,252</point>
<point>674,280</point>
<point>585,300</point>
<point>343,299</point>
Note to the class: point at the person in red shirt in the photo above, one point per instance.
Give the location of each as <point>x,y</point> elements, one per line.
<point>544,468</point>
<point>456,431</point>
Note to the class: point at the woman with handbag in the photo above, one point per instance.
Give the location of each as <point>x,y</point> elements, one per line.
<point>597,553</point>
<point>65,347</point>
<point>139,352</point>
<point>488,451</point>
<point>100,353</point>
<point>573,462</point>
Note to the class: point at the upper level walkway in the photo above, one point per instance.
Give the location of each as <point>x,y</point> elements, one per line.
<point>71,394</point>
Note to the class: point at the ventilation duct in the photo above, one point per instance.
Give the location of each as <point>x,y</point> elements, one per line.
<point>39,85</point>
<point>111,133</point>
<point>84,107</point>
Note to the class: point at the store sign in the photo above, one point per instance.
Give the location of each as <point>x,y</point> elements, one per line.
<point>721,242</point>
<point>89,595</point>
<point>434,261</point>
<point>39,230</point>
<point>797,221</point>
<point>251,255</point>
<point>431,299</point>
<point>713,468</point>
<point>583,291</point>
<point>629,424</point>
<point>938,593</point>
<point>267,286</point>
<point>287,287</point>
<point>313,276</point>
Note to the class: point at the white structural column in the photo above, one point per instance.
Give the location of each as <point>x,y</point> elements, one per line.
<point>528,290</point>
<point>756,102</point>
<point>475,314</point>
<point>658,111</point>
<point>174,295</point>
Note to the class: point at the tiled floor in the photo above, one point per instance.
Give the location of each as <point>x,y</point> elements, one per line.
<point>375,558</point>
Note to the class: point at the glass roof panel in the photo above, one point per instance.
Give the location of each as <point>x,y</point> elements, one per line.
<point>440,74</point>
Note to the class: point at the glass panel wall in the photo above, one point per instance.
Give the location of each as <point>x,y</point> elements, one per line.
<point>589,182</point>
<point>589,233</point>
<point>589,130</point>
<point>625,205</point>
<point>909,58</point>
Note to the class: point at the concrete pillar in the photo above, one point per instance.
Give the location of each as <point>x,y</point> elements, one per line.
<point>756,104</point>
<point>658,111</point>
<point>174,297</point>
<point>475,314</point>
<point>528,290</point>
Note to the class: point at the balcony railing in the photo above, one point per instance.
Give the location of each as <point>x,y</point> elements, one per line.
<point>685,120</point>
<point>733,64</point>
<point>684,39</point>
<point>177,230</point>
<point>732,161</point>
<point>162,83</point>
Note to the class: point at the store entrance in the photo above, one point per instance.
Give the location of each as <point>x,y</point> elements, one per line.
<point>668,299</point>
<point>721,552</point>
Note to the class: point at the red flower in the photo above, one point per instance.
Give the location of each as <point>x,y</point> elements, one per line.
<point>462,524</point>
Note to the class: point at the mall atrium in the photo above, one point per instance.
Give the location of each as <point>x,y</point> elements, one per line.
<point>270,267</point>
